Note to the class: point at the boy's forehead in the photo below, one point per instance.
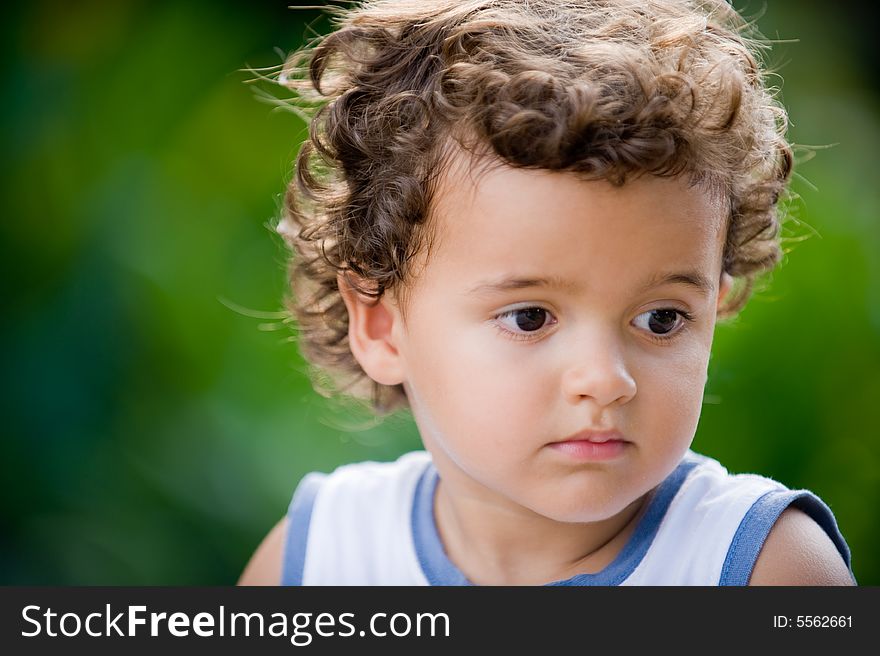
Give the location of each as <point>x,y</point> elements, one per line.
<point>488,215</point>
<point>475,187</point>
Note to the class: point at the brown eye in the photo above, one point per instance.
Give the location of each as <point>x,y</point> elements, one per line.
<point>530,319</point>
<point>662,321</point>
<point>523,321</point>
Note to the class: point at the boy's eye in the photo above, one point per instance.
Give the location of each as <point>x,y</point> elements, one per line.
<point>661,321</point>
<point>524,320</point>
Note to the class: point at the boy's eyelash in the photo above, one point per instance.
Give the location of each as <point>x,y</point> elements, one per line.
<point>517,337</point>
<point>661,339</point>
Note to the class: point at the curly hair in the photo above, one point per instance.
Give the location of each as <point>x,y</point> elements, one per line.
<point>605,89</point>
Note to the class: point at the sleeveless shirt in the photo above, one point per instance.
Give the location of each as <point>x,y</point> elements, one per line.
<point>372,523</point>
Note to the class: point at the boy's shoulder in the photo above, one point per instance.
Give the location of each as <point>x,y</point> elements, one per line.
<point>264,567</point>
<point>369,497</point>
<point>376,485</point>
<point>356,484</point>
<point>365,480</point>
<point>798,551</point>
<point>784,536</point>
<point>708,476</point>
<point>353,526</point>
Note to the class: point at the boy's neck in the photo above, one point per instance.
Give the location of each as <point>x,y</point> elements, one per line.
<point>493,546</point>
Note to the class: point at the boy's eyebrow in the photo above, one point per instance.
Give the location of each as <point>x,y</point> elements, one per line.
<point>693,279</point>
<point>506,284</point>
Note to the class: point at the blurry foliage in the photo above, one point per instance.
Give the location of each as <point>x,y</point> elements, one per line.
<point>156,414</point>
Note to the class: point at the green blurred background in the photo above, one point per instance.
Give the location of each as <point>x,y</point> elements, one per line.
<point>152,434</point>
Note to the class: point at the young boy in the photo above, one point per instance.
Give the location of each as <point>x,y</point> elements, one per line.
<point>521,220</point>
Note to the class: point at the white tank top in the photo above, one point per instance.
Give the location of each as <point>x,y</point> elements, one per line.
<point>373,523</point>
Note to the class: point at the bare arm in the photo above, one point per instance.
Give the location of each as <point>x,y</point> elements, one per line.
<point>264,567</point>
<point>799,552</point>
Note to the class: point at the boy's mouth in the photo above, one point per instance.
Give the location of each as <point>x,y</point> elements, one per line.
<point>591,445</point>
<point>594,436</point>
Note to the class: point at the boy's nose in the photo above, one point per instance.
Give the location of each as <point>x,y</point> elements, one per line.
<point>599,373</point>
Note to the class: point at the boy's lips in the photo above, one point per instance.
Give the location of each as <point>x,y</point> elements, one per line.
<point>591,445</point>
<point>594,436</point>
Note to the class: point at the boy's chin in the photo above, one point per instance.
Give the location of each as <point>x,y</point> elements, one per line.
<point>584,513</point>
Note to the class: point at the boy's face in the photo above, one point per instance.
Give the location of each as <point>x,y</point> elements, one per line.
<point>498,373</point>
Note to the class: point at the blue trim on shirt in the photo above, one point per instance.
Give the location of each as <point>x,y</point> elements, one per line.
<point>760,518</point>
<point>439,570</point>
<point>437,567</point>
<point>299,517</point>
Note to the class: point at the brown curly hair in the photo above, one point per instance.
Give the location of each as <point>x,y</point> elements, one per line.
<point>605,89</point>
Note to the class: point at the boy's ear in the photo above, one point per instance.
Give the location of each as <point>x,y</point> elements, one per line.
<point>724,288</point>
<point>372,332</point>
